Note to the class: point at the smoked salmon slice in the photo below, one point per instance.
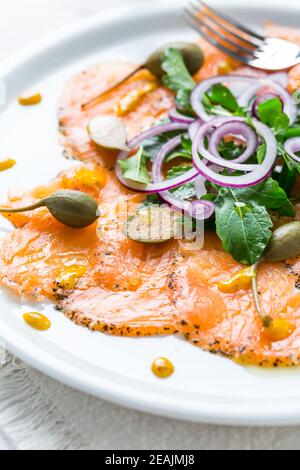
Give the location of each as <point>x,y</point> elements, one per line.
<point>100,279</point>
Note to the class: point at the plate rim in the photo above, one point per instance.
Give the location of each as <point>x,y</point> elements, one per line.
<point>214,412</point>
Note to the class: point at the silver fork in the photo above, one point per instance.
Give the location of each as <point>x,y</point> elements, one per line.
<point>239,41</point>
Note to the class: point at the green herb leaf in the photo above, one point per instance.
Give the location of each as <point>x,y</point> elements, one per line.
<point>135,167</point>
<point>177,77</point>
<point>287,178</point>
<point>185,191</point>
<point>261,152</point>
<point>243,227</point>
<point>290,162</point>
<point>268,194</point>
<point>185,151</point>
<point>151,200</point>
<point>222,96</point>
<point>229,150</point>
<point>269,111</point>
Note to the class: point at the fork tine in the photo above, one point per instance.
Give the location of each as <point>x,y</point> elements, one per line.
<point>216,20</point>
<point>219,34</point>
<point>191,22</point>
<point>233,22</point>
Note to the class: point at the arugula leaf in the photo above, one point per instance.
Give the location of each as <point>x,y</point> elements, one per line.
<point>185,191</point>
<point>261,152</point>
<point>290,162</point>
<point>287,178</point>
<point>268,194</point>
<point>222,96</point>
<point>184,152</point>
<point>152,200</point>
<point>229,150</point>
<point>269,110</point>
<point>135,167</point>
<point>270,113</point>
<point>221,102</point>
<point>243,227</point>
<point>281,125</point>
<point>177,77</point>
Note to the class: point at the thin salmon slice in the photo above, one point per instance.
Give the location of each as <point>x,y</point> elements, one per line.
<point>120,284</point>
<point>130,289</point>
<point>228,324</point>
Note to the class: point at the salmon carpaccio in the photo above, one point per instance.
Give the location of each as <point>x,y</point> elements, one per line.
<point>102,280</point>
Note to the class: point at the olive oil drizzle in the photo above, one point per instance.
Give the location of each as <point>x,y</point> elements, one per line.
<point>162,368</point>
<point>37,321</point>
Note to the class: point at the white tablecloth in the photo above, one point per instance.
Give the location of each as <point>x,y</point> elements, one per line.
<point>37,412</point>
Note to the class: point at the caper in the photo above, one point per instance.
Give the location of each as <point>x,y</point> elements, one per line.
<point>72,208</point>
<point>285,243</point>
<point>152,225</point>
<point>192,54</point>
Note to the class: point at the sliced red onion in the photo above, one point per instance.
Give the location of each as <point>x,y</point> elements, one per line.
<point>233,125</point>
<point>289,107</point>
<point>194,127</point>
<point>236,128</point>
<point>197,95</point>
<point>178,117</point>
<point>200,90</point>
<point>292,146</point>
<point>201,210</point>
<point>167,196</point>
<point>155,187</point>
<point>263,99</point>
<point>258,172</point>
<point>200,188</point>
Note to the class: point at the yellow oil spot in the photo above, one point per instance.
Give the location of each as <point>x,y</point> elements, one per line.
<point>6,164</point>
<point>132,99</point>
<point>224,68</point>
<point>37,321</point>
<point>85,177</point>
<point>278,330</point>
<point>30,99</point>
<point>240,280</point>
<point>70,275</point>
<point>162,368</point>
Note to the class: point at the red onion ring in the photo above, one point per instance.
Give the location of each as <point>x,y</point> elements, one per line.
<point>154,187</point>
<point>235,125</point>
<point>292,146</point>
<point>169,198</point>
<point>263,99</point>
<point>197,94</point>
<point>231,127</point>
<point>258,173</point>
<point>289,107</point>
<point>176,116</point>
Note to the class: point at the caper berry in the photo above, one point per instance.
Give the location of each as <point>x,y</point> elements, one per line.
<point>192,55</point>
<point>72,208</point>
<point>285,243</point>
<point>152,225</point>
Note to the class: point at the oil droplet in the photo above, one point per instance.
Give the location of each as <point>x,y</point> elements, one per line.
<point>30,99</point>
<point>131,100</point>
<point>240,280</point>
<point>6,164</point>
<point>37,321</point>
<point>162,368</point>
<point>278,330</point>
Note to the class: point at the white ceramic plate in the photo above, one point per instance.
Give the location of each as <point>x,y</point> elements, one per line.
<point>204,388</point>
